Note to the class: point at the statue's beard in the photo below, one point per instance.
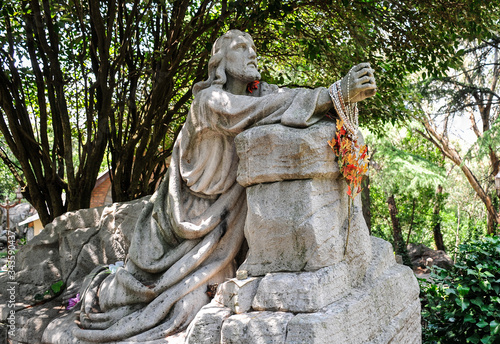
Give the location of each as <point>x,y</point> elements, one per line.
<point>247,74</point>
<point>255,74</point>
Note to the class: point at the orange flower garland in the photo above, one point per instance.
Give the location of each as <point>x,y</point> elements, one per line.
<point>353,160</point>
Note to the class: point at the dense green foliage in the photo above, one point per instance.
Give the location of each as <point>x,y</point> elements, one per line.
<point>84,79</point>
<point>317,44</point>
<point>410,169</point>
<point>7,184</point>
<point>462,305</point>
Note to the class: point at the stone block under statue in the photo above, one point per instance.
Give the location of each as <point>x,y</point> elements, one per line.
<point>302,286</point>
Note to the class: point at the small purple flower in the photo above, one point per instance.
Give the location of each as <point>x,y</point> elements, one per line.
<point>73,301</point>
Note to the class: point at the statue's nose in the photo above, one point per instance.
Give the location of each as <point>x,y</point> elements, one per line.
<point>252,53</point>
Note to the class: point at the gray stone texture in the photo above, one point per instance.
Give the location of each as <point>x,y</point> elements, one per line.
<point>386,310</point>
<point>302,292</point>
<point>335,283</point>
<point>425,257</point>
<point>207,325</point>
<point>238,295</point>
<point>275,152</point>
<point>16,214</point>
<point>256,328</point>
<point>297,219</point>
<point>67,249</point>
<point>291,226</point>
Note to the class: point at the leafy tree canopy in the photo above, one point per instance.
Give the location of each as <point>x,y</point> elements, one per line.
<point>469,91</point>
<point>405,163</point>
<point>81,79</point>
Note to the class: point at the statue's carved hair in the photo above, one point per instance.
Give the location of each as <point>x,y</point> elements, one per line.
<point>217,63</point>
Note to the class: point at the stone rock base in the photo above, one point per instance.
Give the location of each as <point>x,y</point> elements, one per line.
<point>385,308</point>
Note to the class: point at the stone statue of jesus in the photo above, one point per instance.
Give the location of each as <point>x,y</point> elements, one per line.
<point>189,234</point>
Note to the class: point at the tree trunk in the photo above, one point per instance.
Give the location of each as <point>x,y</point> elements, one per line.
<point>442,143</point>
<point>438,235</point>
<point>396,226</point>
<point>412,220</point>
<point>490,223</point>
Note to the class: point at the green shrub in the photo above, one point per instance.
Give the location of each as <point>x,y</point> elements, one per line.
<point>462,305</point>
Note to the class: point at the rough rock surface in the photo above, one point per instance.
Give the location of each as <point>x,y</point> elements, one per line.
<point>238,295</point>
<point>297,216</point>
<point>290,226</point>
<point>385,308</point>
<point>420,254</point>
<point>66,250</point>
<point>377,312</point>
<point>16,214</point>
<point>304,291</point>
<point>266,154</point>
<point>209,320</point>
<point>256,328</point>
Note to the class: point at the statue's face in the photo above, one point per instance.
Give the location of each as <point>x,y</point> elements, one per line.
<point>241,59</point>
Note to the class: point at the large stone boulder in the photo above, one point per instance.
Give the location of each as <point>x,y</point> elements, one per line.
<point>66,250</point>
<point>17,214</point>
<point>297,308</point>
<point>424,257</point>
<point>297,206</point>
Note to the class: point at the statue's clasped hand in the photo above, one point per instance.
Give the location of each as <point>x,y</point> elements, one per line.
<point>359,83</point>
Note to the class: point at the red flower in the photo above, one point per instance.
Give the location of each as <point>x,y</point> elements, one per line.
<point>253,86</point>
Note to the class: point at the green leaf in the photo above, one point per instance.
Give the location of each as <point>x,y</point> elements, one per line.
<point>477,301</point>
<point>471,272</point>
<point>473,339</point>
<point>450,291</point>
<point>485,285</point>
<point>494,327</point>
<point>463,303</point>
<point>482,324</point>
<point>469,318</point>
<point>486,340</point>
<point>463,290</point>
<point>56,287</point>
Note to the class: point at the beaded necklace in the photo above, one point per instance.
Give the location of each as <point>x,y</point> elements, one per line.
<point>347,112</point>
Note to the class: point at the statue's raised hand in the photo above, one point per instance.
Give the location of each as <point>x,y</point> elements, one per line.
<point>358,84</point>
